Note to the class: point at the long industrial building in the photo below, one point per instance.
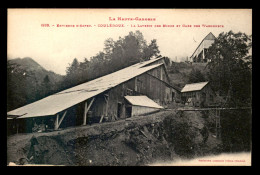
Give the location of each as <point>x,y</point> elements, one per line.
<point>135,90</point>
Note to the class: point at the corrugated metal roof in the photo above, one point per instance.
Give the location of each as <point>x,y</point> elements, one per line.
<point>142,101</point>
<point>58,102</point>
<point>194,87</point>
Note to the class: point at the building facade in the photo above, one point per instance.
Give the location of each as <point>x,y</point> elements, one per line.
<point>153,84</point>
<point>103,99</point>
<point>198,94</point>
<point>199,55</point>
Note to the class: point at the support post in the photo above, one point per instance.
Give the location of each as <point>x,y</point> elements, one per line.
<point>85,114</point>
<point>87,107</point>
<point>62,118</point>
<point>106,99</point>
<point>101,119</point>
<point>56,122</point>
<point>218,126</point>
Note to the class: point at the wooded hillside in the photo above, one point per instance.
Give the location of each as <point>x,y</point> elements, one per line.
<point>229,71</point>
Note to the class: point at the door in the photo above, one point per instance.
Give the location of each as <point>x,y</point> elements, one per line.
<point>128,111</point>
<point>119,110</point>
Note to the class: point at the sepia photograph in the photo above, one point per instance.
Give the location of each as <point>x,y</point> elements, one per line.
<point>129,87</point>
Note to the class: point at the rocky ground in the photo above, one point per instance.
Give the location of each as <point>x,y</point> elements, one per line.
<point>142,140</point>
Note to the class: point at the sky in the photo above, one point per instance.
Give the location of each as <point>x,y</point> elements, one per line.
<point>55,47</point>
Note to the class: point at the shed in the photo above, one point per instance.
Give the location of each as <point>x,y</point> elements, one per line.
<point>194,87</point>
<point>140,105</point>
<point>200,94</point>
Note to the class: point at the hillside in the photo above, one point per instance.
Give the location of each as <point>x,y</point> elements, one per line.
<point>140,140</point>
<point>27,64</point>
<point>165,136</point>
<point>28,81</point>
<point>179,72</point>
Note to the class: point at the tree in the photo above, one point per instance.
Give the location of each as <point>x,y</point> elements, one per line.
<point>72,73</point>
<point>196,76</point>
<point>73,68</point>
<point>17,77</point>
<point>45,87</point>
<point>46,80</point>
<point>125,51</point>
<point>230,67</point>
<point>109,46</point>
<point>151,50</point>
<point>167,61</point>
<point>116,55</point>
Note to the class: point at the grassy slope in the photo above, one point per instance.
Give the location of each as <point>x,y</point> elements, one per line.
<point>179,72</point>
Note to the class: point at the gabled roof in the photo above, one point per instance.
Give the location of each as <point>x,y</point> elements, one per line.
<point>142,101</point>
<point>58,102</point>
<point>194,87</point>
<point>210,36</point>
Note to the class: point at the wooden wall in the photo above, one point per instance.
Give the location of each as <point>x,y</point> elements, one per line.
<point>199,97</point>
<point>148,84</point>
<point>139,110</point>
<point>209,92</point>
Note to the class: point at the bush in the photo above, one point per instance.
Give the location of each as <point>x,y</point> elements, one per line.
<point>236,130</point>
<point>181,135</point>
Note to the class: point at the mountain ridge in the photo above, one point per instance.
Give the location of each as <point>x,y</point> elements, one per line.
<point>28,81</point>
<point>28,64</point>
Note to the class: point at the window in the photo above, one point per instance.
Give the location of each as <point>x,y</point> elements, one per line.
<point>129,92</point>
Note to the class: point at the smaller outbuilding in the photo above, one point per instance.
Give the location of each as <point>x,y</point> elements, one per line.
<point>139,105</point>
<point>198,94</point>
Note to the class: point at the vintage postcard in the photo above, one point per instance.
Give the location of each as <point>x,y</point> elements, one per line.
<point>129,87</point>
